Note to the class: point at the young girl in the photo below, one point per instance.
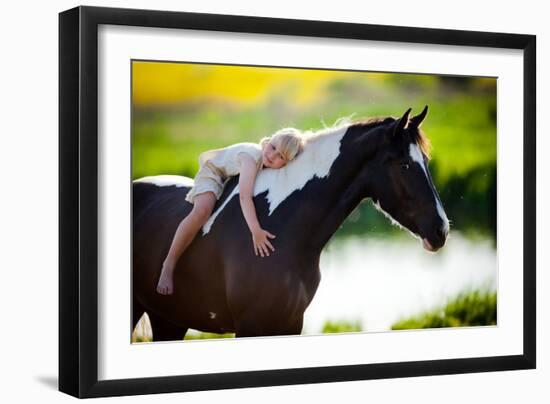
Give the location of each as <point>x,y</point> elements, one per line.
<point>216,166</point>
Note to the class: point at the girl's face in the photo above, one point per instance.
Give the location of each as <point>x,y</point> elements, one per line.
<point>272,158</point>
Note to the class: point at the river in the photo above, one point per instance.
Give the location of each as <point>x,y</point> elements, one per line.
<point>378,281</point>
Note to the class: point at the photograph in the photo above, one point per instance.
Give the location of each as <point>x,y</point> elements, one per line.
<point>275,201</point>
<point>251,201</point>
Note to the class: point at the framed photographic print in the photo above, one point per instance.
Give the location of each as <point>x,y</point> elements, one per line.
<point>250,201</point>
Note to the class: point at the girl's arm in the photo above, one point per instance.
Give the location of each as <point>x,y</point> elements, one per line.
<point>247,178</point>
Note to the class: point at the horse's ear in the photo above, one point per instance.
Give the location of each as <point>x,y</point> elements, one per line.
<point>416,121</point>
<point>401,123</point>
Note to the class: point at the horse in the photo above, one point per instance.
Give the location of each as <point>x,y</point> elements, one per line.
<point>221,286</point>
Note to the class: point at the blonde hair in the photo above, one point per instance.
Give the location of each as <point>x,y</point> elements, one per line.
<point>290,142</point>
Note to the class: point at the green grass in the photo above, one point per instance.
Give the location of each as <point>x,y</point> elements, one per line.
<point>341,326</point>
<point>474,308</point>
<point>207,335</point>
<point>461,130</point>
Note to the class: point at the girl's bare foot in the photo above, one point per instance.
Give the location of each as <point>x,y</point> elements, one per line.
<point>165,285</point>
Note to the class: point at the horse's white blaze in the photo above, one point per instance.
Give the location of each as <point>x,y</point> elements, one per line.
<point>445,227</point>
<point>212,315</point>
<point>167,180</point>
<point>320,151</point>
<point>416,156</point>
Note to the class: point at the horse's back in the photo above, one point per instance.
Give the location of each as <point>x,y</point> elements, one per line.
<point>167,191</point>
<point>158,206</point>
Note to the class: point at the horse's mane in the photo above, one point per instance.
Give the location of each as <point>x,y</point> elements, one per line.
<point>310,136</point>
<point>419,137</point>
<point>423,142</point>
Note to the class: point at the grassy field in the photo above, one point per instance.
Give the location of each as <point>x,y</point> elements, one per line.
<point>166,141</point>
<point>461,126</point>
<point>473,308</point>
<point>181,110</point>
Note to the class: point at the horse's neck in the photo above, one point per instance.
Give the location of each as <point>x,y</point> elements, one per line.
<point>325,203</point>
<point>330,213</point>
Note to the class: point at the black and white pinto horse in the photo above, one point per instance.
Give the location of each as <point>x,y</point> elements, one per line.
<point>220,285</point>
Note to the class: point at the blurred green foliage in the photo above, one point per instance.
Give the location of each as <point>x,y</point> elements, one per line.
<point>473,308</point>
<point>461,125</point>
<point>341,326</point>
<point>207,335</point>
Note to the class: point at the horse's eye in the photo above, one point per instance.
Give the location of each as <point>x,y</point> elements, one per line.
<point>405,166</point>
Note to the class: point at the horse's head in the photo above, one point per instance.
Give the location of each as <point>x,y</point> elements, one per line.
<point>400,182</point>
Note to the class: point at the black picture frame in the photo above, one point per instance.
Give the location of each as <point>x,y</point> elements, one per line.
<point>78,200</point>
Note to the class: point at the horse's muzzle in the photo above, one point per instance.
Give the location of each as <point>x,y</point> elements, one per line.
<point>435,243</point>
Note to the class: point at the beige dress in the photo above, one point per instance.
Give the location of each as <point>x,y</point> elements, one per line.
<point>216,166</point>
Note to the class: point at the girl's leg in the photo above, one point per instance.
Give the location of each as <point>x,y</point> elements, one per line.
<point>185,233</point>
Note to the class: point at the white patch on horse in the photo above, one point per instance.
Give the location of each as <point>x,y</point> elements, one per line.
<point>212,315</point>
<point>443,216</point>
<point>416,156</point>
<point>320,151</point>
<point>167,180</point>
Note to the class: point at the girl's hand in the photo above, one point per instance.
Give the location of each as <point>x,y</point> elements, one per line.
<point>261,242</point>
<point>246,187</point>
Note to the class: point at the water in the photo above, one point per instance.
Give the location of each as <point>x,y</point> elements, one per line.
<point>379,281</point>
